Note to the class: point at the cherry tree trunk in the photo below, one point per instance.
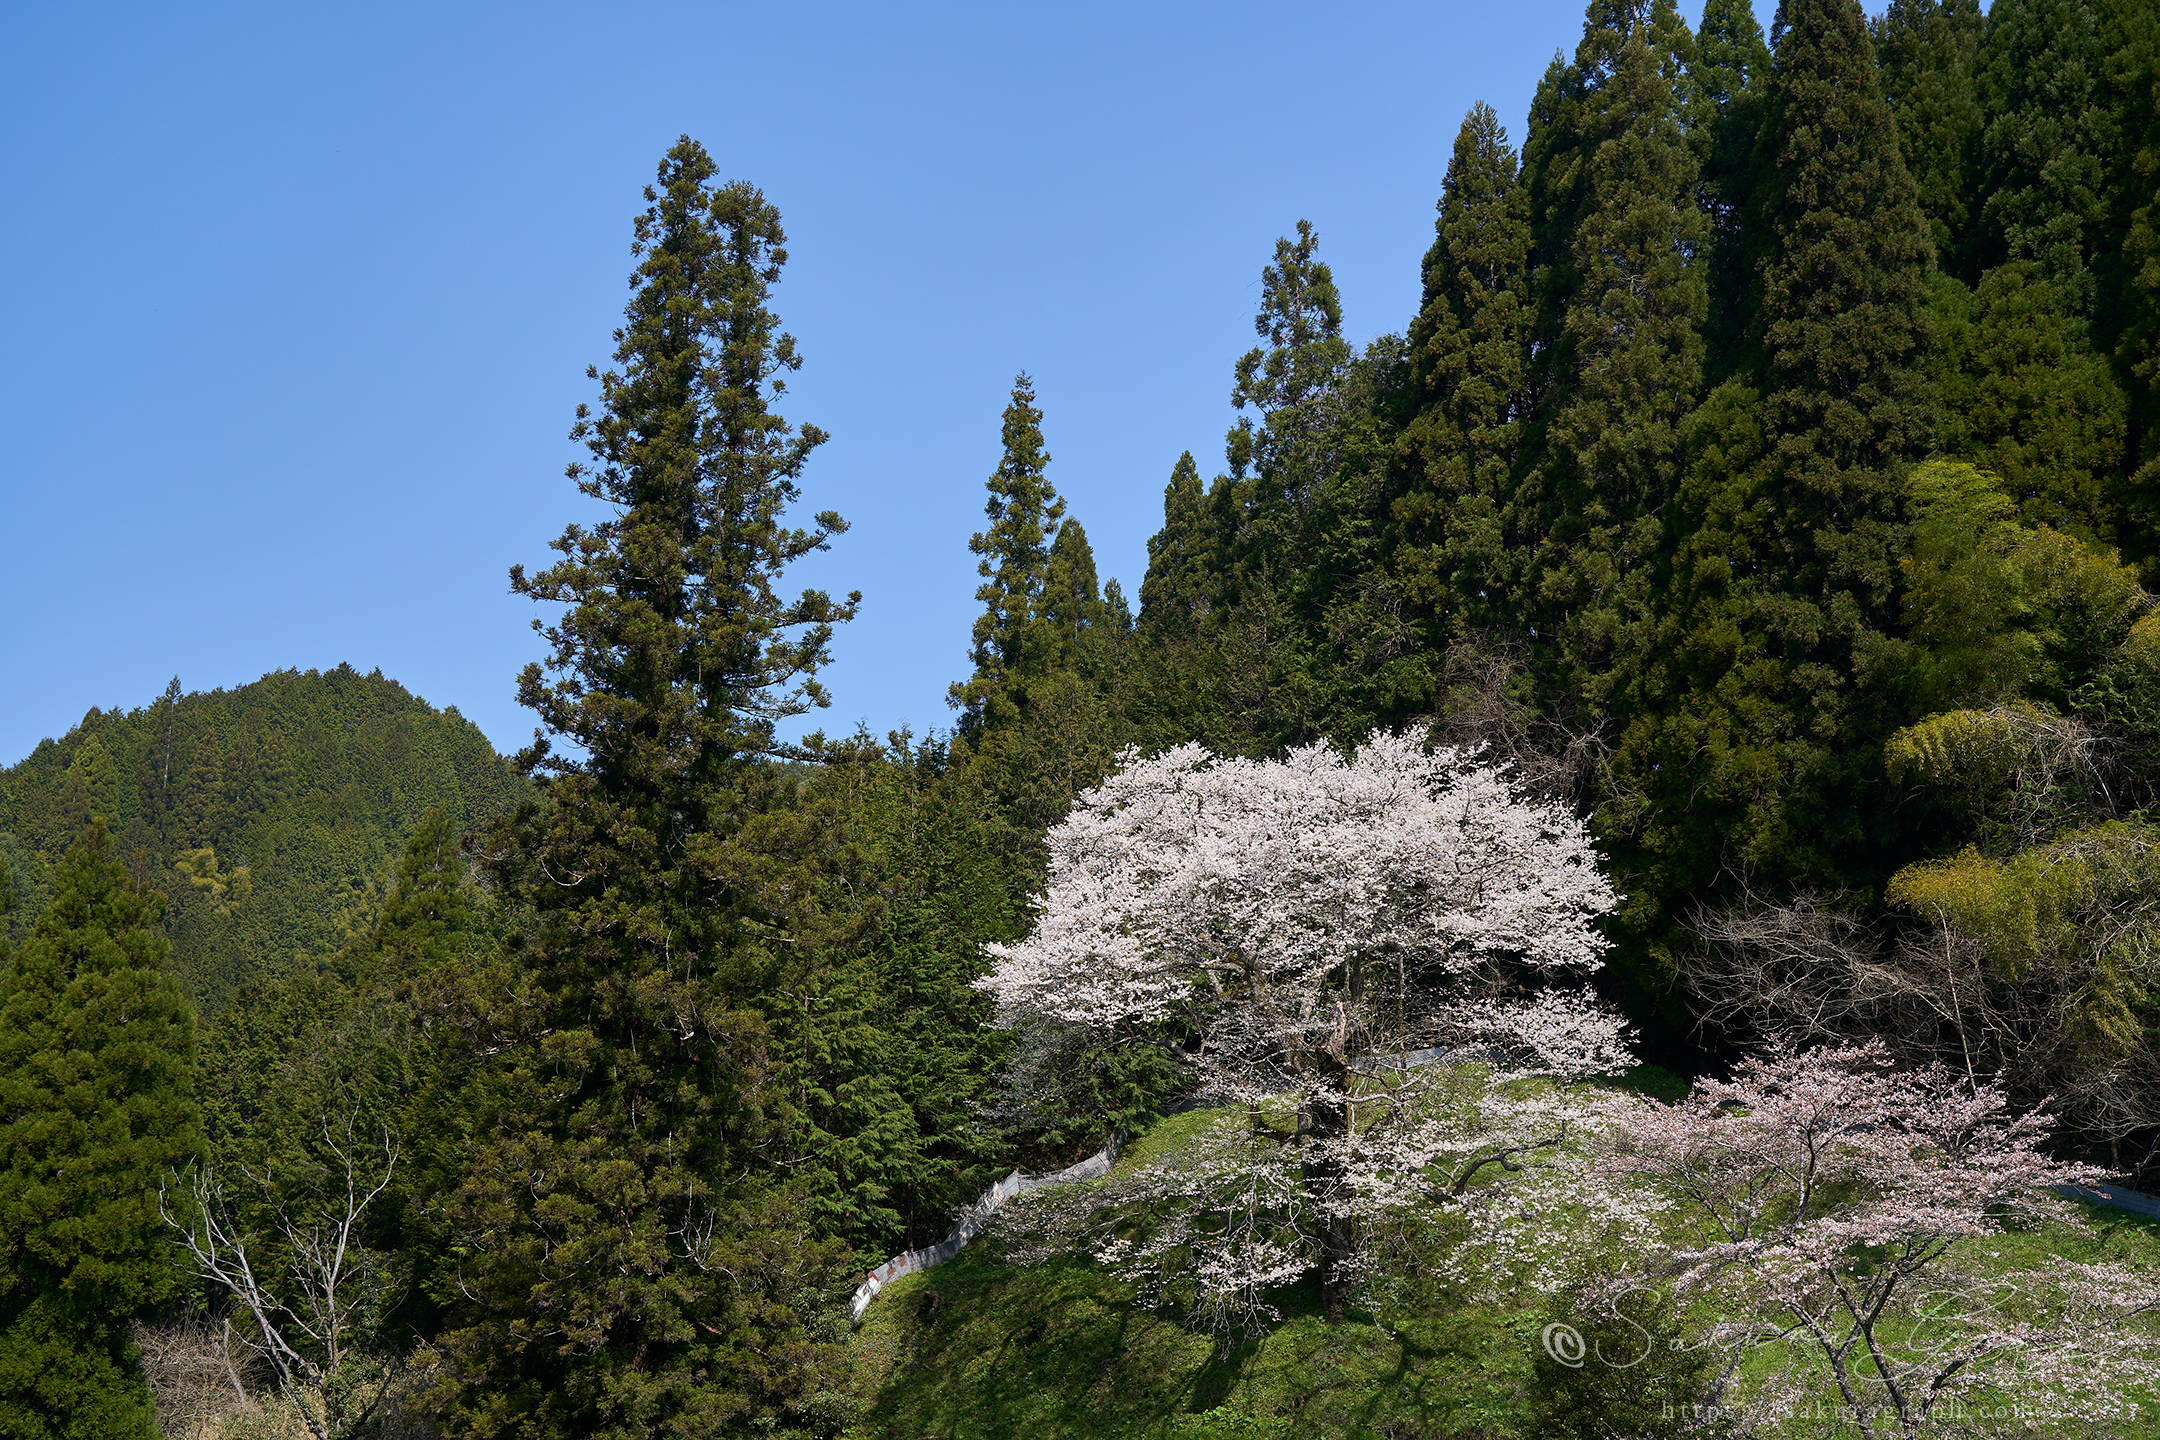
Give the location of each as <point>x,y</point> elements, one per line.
<point>1327,1123</point>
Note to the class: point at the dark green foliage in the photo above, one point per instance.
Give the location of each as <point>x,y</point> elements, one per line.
<point>307,782</point>
<point>1621,308</point>
<point>1179,589</point>
<point>1285,641</point>
<point>96,1055</point>
<point>1925,49</point>
<point>636,1263</point>
<point>2126,319</point>
<point>1640,1374</point>
<point>1724,93</point>
<point>2045,143</point>
<point>1764,705</point>
<point>896,1053</point>
<point>2023,393</point>
<point>1044,710</point>
<point>1455,546</point>
<point>67,1373</point>
<point>1009,649</point>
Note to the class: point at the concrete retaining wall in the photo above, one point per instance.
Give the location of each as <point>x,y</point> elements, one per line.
<point>2115,1197</point>
<point>972,1221</point>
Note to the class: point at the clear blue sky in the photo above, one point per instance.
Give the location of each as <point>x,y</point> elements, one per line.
<point>299,299</point>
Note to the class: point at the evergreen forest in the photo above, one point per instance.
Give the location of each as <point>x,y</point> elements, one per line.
<point>1767,489</point>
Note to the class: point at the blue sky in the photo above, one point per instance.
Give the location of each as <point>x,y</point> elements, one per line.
<point>299,299</point>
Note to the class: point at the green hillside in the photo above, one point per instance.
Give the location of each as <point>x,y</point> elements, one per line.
<point>267,813</point>
<point>989,1346</point>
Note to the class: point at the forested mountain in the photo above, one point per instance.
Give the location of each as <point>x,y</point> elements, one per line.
<point>1764,497</point>
<point>269,814</point>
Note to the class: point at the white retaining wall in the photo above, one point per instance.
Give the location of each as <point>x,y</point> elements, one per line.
<point>972,1221</point>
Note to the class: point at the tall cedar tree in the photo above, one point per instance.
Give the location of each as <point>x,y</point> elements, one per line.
<point>636,1268</point>
<point>1770,690</point>
<point>1281,458</point>
<point>1926,49</point>
<point>1625,301</point>
<point>1024,511</point>
<point>1179,588</point>
<point>1451,551</point>
<point>96,1060</point>
<point>2044,148</point>
<point>2128,325</point>
<point>1724,85</point>
<point>2037,398</point>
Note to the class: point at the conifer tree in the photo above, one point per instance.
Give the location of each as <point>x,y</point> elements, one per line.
<point>2043,151</point>
<point>1843,313</point>
<point>1024,511</point>
<point>1724,98</point>
<point>1772,684</point>
<point>1271,510</point>
<point>899,1060</point>
<point>1289,383</point>
<point>96,1054</point>
<point>1625,362</point>
<point>1926,49</point>
<point>90,791</point>
<point>1072,604</point>
<point>634,1265</point>
<point>1179,589</point>
<point>1452,552</point>
<point>2024,394</point>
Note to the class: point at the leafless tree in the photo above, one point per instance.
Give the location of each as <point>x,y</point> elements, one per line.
<point>197,1376</point>
<point>1808,970</point>
<point>1482,708</point>
<point>303,1326</point>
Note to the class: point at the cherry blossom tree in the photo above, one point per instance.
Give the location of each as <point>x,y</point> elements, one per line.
<point>1307,933</point>
<point>1848,1208</point>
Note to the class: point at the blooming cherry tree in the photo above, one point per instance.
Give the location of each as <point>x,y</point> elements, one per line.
<point>1848,1207</point>
<point>1311,930</point>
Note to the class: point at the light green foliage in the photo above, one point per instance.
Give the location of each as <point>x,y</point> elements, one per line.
<point>2141,647</point>
<point>1997,609</point>
<point>1965,600</point>
<point>96,1055</point>
<point>979,1348</point>
<point>1969,748</point>
<point>2082,907</point>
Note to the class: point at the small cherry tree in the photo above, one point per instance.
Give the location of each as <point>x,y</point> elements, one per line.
<point>1848,1208</point>
<point>1309,930</point>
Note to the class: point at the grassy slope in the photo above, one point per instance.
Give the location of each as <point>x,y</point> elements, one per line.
<point>980,1350</point>
<point>977,1348</point>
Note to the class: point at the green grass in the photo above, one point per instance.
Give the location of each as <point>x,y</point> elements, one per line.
<point>976,1350</point>
<point>979,1349</point>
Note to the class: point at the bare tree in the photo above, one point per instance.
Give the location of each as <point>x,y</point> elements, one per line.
<point>1484,708</point>
<point>196,1380</point>
<point>1809,970</point>
<point>306,1325</point>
